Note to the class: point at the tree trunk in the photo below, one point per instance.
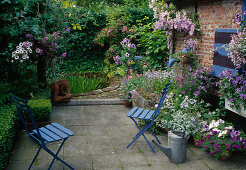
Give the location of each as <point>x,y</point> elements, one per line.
<point>41,67</point>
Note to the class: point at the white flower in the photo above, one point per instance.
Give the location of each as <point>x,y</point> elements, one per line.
<point>229,127</point>
<point>16,57</point>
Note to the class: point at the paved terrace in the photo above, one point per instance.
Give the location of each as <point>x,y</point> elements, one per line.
<point>101,133</point>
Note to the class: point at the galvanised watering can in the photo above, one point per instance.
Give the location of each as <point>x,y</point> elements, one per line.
<point>177,145</point>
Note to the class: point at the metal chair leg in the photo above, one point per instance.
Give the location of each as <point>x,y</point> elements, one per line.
<point>35,157</point>
<point>57,153</point>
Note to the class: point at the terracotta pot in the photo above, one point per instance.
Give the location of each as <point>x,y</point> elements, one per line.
<point>196,143</point>
<point>185,59</point>
<point>226,156</point>
<point>127,103</point>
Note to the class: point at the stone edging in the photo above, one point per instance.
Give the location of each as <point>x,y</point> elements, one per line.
<point>87,102</point>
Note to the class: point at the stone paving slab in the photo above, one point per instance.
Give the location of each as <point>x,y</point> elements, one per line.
<point>101,133</point>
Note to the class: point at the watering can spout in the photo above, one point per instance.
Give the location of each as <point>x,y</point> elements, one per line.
<point>166,151</point>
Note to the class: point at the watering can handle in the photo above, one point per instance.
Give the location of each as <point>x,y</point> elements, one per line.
<point>183,129</point>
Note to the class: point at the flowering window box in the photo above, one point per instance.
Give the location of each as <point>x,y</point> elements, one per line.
<point>227,106</point>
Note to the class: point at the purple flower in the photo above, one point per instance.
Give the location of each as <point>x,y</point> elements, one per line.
<point>227,145</point>
<point>196,93</point>
<point>127,54</point>
<point>63,55</point>
<point>29,36</point>
<point>211,153</point>
<point>133,45</point>
<point>217,149</point>
<point>68,29</point>
<point>39,51</point>
<point>238,18</point>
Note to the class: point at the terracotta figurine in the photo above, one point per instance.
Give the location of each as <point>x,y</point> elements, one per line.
<point>60,92</point>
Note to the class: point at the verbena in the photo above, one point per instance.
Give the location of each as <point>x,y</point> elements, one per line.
<point>80,84</point>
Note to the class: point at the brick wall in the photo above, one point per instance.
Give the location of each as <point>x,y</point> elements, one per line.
<point>213,14</point>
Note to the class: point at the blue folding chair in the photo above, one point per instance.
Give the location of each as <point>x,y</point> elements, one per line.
<point>148,116</point>
<point>50,133</point>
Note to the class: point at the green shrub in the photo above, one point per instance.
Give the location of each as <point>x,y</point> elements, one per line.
<point>7,132</point>
<point>41,110</point>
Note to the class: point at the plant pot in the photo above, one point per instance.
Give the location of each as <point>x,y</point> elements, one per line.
<point>127,103</point>
<point>226,156</point>
<point>196,142</point>
<point>185,59</point>
<point>242,111</point>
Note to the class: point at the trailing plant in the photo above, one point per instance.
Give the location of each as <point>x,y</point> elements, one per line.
<point>233,87</point>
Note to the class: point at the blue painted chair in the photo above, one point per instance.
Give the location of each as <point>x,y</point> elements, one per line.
<point>50,133</point>
<point>148,116</point>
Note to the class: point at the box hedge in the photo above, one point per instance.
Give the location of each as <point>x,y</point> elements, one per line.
<point>7,132</point>
<point>41,110</point>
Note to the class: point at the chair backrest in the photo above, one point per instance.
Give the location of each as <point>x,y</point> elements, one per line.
<point>163,96</point>
<point>22,108</point>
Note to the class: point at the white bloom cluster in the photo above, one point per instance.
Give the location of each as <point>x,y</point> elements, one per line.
<point>214,126</point>
<point>21,52</point>
<point>187,101</point>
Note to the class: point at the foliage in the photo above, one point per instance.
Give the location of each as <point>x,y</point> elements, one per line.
<point>219,137</point>
<point>7,132</point>
<point>237,45</point>
<point>151,44</point>
<point>182,110</point>
<point>41,110</point>
<point>233,87</point>
<point>4,96</point>
<point>149,85</point>
<point>80,84</point>
<point>170,19</point>
<point>196,82</point>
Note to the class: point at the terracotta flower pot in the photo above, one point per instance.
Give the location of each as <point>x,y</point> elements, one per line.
<point>196,143</point>
<point>185,59</point>
<point>127,103</point>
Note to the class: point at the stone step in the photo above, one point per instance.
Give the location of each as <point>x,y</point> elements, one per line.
<point>86,102</point>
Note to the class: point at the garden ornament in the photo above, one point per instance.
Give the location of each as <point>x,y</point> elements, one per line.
<point>172,61</point>
<point>60,92</point>
<point>177,145</point>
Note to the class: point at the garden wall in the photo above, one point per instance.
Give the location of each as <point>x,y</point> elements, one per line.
<point>213,14</point>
